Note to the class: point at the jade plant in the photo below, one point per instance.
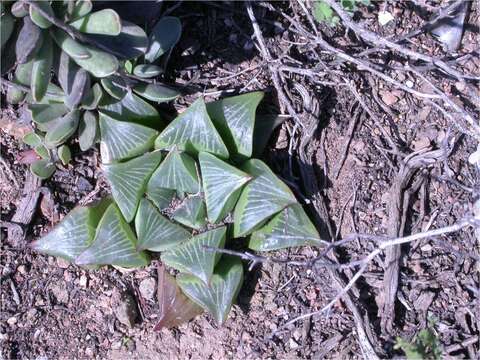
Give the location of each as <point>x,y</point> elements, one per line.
<point>101,64</point>
<point>185,193</point>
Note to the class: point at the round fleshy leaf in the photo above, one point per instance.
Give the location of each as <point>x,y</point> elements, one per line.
<point>165,34</point>
<point>155,92</point>
<point>87,130</point>
<point>38,18</point>
<point>63,129</point>
<point>93,97</point>
<point>147,70</point>
<point>42,168</point>
<point>32,139</point>
<point>29,40</point>
<point>41,70</point>
<point>7,24</point>
<point>44,113</point>
<point>217,297</point>
<point>115,86</point>
<point>64,154</point>
<point>104,22</point>
<point>73,48</point>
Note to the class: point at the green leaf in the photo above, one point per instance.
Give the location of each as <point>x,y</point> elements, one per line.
<point>42,168</point>
<point>114,243</point>
<point>23,73</point>
<point>104,22</point>
<point>234,117</point>
<point>222,292</point>
<point>43,152</point>
<point>115,86</point>
<point>160,197</point>
<point>19,9</point>
<point>264,127</point>
<point>122,140</point>
<point>32,139</point>
<point>29,40</point>
<point>38,18</point>
<point>155,92</point>
<point>64,154</point>
<point>99,63</point>
<point>132,108</point>
<point>191,213</point>
<point>289,228</point>
<point>129,179</point>
<point>147,70</point>
<point>192,257</point>
<point>71,47</point>
<point>193,131</point>
<point>155,232</point>
<point>177,172</point>
<point>44,113</point>
<point>80,86</point>
<point>131,43</point>
<point>87,130</point>
<point>74,234</point>
<point>7,24</point>
<point>41,70</point>
<point>174,307</point>
<point>322,12</point>
<point>222,184</point>
<point>165,34</point>
<point>14,95</point>
<point>63,129</point>
<point>261,198</point>
<point>93,98</point>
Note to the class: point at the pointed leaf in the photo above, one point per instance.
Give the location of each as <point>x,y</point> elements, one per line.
<point>147,70</point>
<point>132,108</point>
<point>222,292</point>
<point>289,228</point>
<point>97,62</point>
<point>115,86</point>
<point>38,18</point>
<point>177,172</point>
<point>234,118</point>
<point>80,85</point>
<point>191,213</point>
<point>7,24</point>
<point>63,129</point>
<point>192,257</point>
<point>43,113</point>
<point>175,307</point>
<point>160,197</point>
<point>261,198</point>
<point>122,140</point>
<point>222,184</point>
<point>64,154</point>
<point>155,92</point>
<point>87,130</point>
<point>43,168</point>
<point>41,69</point>
<point>165,34</point>
<point>129,179</point>
<point>28,42</point>
<point>74,234</point>
<point>114,243</point>
<point>93,98</point>
<point>155,232</point>
<point>104,22</point>
<point>131,43</point>
<point>193,131</point>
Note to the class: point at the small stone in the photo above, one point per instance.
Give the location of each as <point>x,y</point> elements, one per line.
<point>31,313</point>
<point>147,288</point>
<point>12,321</point>
<point>60,292</point>
<point>22,269</point>
<point>293,344</point>
<point>83,281</point>
<point>62,263</point>
<point>126,310</point>
<point>89,352</point>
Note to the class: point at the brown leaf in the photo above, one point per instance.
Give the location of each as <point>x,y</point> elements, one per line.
<point>175,307</point>
<point>27,157</point>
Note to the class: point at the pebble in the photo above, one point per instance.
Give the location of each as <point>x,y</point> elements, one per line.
<point>62,263</point>
<point>83,281</point>
<point>22,270</point>
<point>60,292</point>
<point>126,310</point>
<point>147,288</point>
<point>293,344</point>
<point>12,321</point>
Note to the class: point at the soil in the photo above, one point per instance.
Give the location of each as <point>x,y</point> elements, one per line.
<point>51,309</point>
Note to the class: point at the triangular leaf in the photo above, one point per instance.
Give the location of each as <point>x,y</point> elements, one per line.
<point>177,172</point>
<point>155,232</point>
<point>193,131</point>
<point>261,198</point>
<point>174,307</point>
<point>160,197</point>
<point>191,213</point>
<point>105,22</point>
<point>129,179</point>
<point>165,34</point>
<point>192,257</point>
<point>222,184</point>
<point>114,243</point>
<point>289,228</point>
<point>74,234</point>
<point>234,118</point>
<point>218,297</point>
<point>122,140</point>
